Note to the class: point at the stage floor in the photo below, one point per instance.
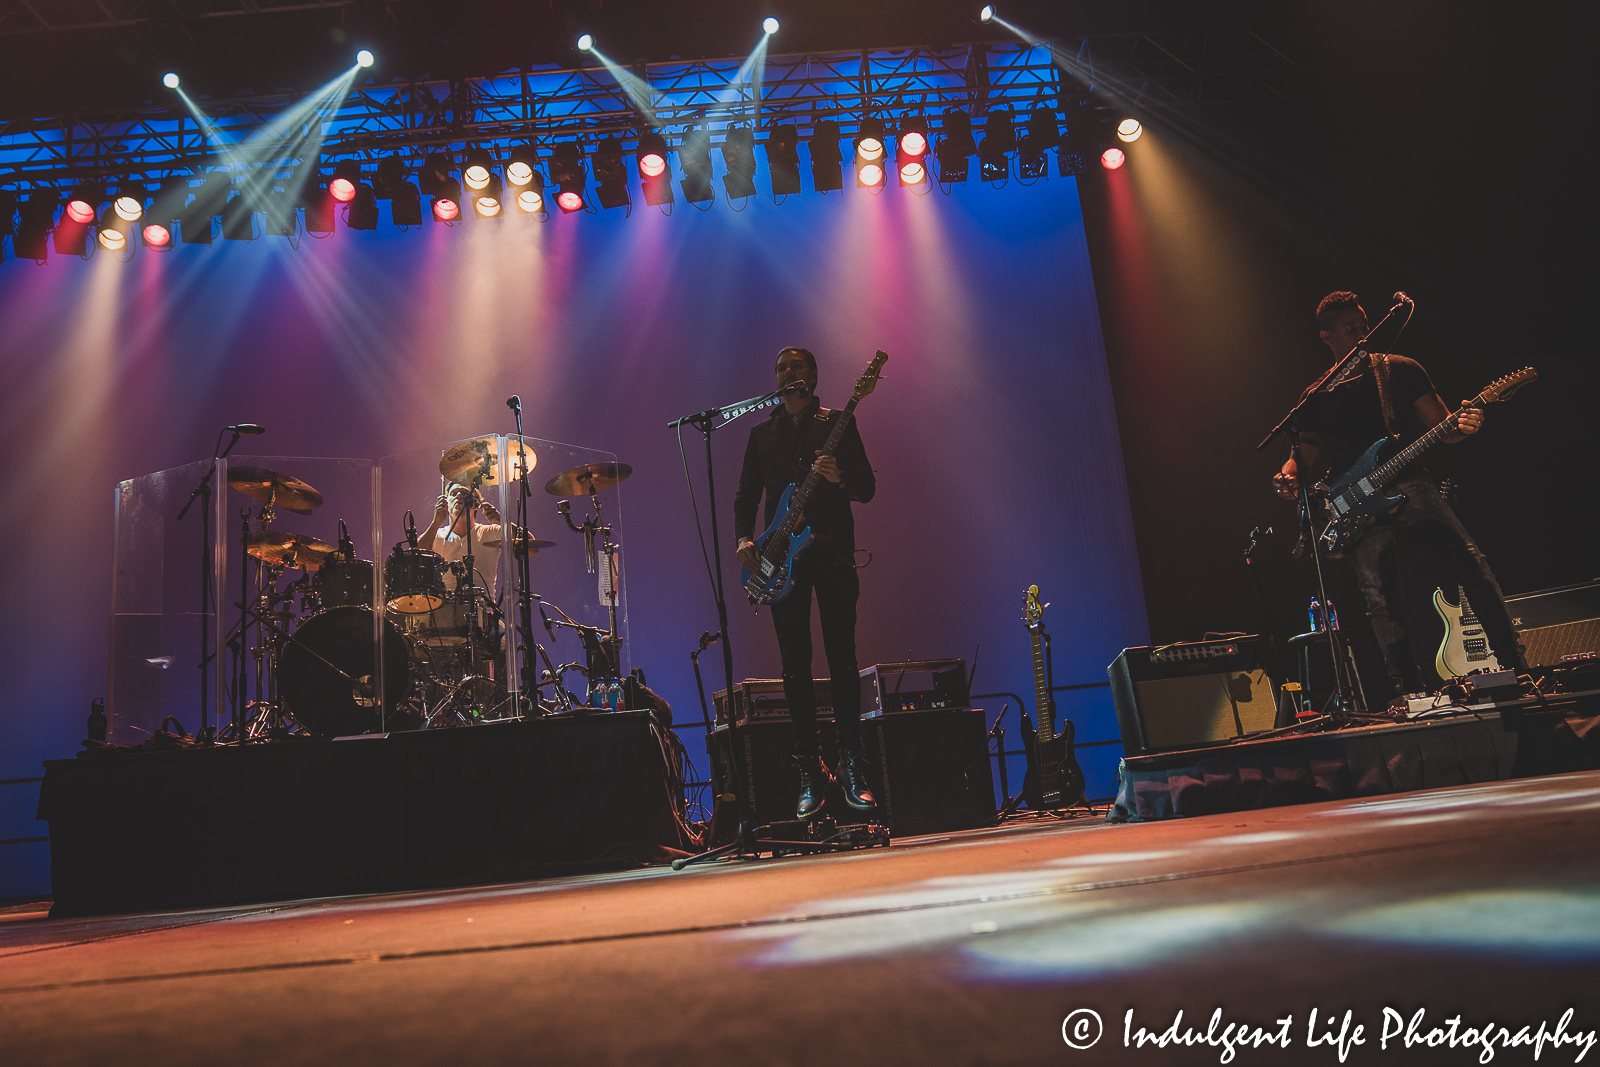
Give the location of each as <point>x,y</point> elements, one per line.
<point>1477,901</point>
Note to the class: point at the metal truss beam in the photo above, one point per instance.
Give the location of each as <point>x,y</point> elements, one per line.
<point>19,17</point>
<point>545,106</point>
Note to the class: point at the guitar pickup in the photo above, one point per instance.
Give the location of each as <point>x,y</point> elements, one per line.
<point>766,568</point>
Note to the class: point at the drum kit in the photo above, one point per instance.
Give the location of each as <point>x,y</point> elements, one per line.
<point>440,629</point>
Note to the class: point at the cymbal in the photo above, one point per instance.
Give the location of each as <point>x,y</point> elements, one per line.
<point>520,541</point>
<point>474,462</point>
<point>589,478</point>
<point>284,492</point>
<point>290,549</point>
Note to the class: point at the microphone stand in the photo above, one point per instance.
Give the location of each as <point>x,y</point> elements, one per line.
<point>202,492</point>
<point>523,704</point>
<point>1343,686</point>
<point>746,842</point>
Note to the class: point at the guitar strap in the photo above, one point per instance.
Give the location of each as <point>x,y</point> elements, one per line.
<point>1380,375</point>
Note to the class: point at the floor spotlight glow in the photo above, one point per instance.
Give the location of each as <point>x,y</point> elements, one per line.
<point>1129,130</point>
<point>157,235</point>
<point>128,209</point>
<point>987,13</point>
<point>569,201</point>
<point>769,25</point>
<point>342,190</point>
<point>1112,158</point>
<point>586,42</point>
<point>80,211</point>
<point>364,58</point>
<point>170,80</point>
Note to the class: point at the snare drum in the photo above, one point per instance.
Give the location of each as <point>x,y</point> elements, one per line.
<point>344,583</point>
<point>413,580</point>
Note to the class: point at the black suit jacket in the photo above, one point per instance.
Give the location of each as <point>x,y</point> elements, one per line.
<point>780,452</point>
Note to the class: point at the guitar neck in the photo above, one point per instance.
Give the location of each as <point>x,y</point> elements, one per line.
<point>1041,686</point>
<point>797,502</point>
<point>1408,455</point>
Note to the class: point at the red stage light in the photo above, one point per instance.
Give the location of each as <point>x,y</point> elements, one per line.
<point>342,190</point>
<point>913,143</point>
<point>445,209</point>
<point>651,164</point>
<point>157,235</point>
<point>569,201</point>
<point>870,174</point>
<point>80,211</point>
<point>1112,158</point>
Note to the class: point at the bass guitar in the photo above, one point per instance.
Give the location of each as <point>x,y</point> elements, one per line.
<point>1464,648</point>
<point>1054,779</point>
<point>1357,496</point>
<point>786,540</point>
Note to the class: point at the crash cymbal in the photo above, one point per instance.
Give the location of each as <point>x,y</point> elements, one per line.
<point>475,462</point>
<point>520,541</point>
<point>282,491</point>
<point>290,549</point>
<point>589,478</point>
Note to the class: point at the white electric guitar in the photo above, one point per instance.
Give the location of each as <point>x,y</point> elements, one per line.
<point>1464,648</point>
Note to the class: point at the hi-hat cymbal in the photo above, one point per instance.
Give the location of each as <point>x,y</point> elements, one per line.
<point>589,478</point>
<point>281,490</point>
<point>520,541</point>
<point>476,462</point>
<point>290,549</point>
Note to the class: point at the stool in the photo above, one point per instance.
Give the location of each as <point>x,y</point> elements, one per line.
<point>1316,673</point>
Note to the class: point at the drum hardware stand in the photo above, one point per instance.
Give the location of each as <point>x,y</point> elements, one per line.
<point>527,695</point>
<point>746,843</point>
<point>207,733</point>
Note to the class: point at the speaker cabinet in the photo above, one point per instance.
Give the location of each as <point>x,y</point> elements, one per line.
<point>929,770</point>
<point>1191,694</point>
<point>1553,623</point>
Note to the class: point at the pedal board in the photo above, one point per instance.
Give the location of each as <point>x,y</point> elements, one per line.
<point>803,837</point>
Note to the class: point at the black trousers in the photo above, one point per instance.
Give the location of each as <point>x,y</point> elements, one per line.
<point>837,587</point>
<point>1427,522</point>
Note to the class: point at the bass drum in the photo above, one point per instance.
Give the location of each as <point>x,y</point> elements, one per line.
<point>325,674</point>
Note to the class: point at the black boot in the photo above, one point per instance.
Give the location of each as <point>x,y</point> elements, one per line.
<point>853,780</point>
<point>814,780</point>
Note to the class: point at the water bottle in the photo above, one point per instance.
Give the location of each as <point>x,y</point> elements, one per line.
<point>1333,615</point>
<point>614,695</point>
<point>1314,613</point>
<point>97,720</point>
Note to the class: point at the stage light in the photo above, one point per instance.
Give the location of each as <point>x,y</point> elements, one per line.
<point>958,133</point>
<point>129,208</point>
<point>1112,158</point>
<point>869,175</point>
<point>319,205</point>
<point>342,190</point>
<point>238,219</point>
<point>911,153</point>
<point>654,177</point>
<point>530,200</point>
<point>769,25</point>
<point>585,42</point>
<point>405,205</point>
<point>566,170</point>
<point>999,138</point>
<point>694,157</point>
<point>157,235</point>
<point>475,169</point>
<point>362,214</point>
<point>1129,130</point>
<point>80,208</point>
<point>278,216</point>
<point>110,238</point>
<point>739,156</point>
<point>783,160</point>
<point>1077,145</point>
<point>611,174</point>
<point>869,154</point>
<point>435,174</point>
<point>71,236</point>
<point>826,159</point>
<point>987,13</point>
<point>390,177</point>
<point>486,207</point>
<point>194,218</point>
<point>168,205</point>
<point>170,80</point>
<point>35,216</point>
<point>522,167</point>
<point>364,58</point>
<point>447,200</point>
<point>1042,135</point>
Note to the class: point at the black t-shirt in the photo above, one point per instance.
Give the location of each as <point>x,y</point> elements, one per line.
<point>1350,418</point>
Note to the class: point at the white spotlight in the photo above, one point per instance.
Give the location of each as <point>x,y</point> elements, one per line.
<point>987,13</point>
<point>770,25</point>
<point>169,80</point>
<point>586,42</point>
<point>1129,130</point>
<point>364,58</point>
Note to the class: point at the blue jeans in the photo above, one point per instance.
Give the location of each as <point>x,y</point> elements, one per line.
<point>1426,522</point>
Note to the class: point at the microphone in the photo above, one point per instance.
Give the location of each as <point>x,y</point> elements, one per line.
<point>347,547</point>
<point>707,639</point>
<point>1401,298</point>
<point>246,427</point>
<point>549,629</point>
<point>514,402</point>
<point>799,388</point>
<point>411,530</point>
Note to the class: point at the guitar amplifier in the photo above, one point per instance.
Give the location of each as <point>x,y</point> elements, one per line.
<point>917,685</point>
<point>762,700</point>
<point>1554,623</point>
<point>1191,694</point>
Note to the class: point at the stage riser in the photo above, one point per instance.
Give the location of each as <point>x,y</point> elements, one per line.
<point>157,830</point>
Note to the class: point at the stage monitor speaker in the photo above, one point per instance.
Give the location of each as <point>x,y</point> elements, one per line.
<point>1553,623</point>
<point>1191,694</point>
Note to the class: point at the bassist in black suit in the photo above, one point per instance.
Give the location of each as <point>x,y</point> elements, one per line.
<point>783,450</point>
<point>1393,395</point>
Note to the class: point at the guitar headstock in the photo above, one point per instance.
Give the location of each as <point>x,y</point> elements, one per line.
<point>869,378</point>
<point>1032,610</point>
<point>1502,388</point>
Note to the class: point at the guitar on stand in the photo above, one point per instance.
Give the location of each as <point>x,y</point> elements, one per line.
<point>786,540</point>
<point>1054,779</point>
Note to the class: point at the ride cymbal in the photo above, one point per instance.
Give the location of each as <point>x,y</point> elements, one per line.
<point>290,549</point>
<point>276,488</point>
<point>476,462</point>
<point>589,478</point>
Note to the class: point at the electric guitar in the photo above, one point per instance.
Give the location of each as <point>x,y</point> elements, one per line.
<point>786,540</point>
<point>1054,776</point>
<point>1464,647</point>
<point>1356,497</point>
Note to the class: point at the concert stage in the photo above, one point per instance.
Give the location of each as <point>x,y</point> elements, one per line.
<point>1514,739</point>
<point>1475,901</point>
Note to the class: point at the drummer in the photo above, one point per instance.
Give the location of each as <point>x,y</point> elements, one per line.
<point>447,535</point>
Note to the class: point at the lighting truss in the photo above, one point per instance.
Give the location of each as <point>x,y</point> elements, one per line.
<point>547,106</point>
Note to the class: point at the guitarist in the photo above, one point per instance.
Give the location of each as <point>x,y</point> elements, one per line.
<point>1393,395</point>
<point>784,449</point>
